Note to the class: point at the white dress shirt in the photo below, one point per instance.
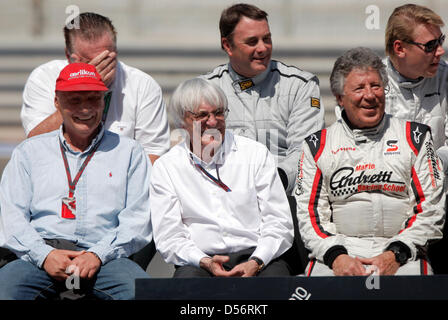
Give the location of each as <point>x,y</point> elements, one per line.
<point>193,217</point>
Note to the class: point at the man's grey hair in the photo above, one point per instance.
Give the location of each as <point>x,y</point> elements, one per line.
<point>190,94</point>
<point>357,58</point>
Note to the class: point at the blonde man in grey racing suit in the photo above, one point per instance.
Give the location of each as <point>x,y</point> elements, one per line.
<point>418,85</point>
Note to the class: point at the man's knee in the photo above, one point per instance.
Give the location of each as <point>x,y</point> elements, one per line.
<point>277,268</point>
<point>116,279</point>
<point>191,272</point>
<point>21,280</point>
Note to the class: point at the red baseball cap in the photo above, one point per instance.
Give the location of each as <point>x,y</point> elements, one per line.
<point>80,77</point>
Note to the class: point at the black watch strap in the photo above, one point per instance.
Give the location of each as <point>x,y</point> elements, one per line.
<point>401,251</point>
<point>259,262</point>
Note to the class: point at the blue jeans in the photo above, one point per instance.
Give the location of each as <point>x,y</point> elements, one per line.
<point>21,280</point>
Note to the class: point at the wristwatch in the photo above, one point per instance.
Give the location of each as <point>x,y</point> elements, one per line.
<point>400,255</point>
<point>259,262</point>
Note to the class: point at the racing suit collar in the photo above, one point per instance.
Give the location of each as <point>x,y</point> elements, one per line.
<point>241,83</point>
<point>400,79</point>
<point>362,135</point>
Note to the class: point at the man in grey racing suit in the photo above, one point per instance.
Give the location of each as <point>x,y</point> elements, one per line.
<point>270,102</point>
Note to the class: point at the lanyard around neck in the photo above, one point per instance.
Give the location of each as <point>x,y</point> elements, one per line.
<point>72,184</point>
<point>210,176</point>
<point>107,98</point>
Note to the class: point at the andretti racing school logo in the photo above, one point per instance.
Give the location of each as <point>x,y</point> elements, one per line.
<point>347,181</point>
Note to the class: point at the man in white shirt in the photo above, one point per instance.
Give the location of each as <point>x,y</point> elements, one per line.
<point>134,107</point>
<point>218,207</point>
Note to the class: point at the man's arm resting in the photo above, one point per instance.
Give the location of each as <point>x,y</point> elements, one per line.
<point>50,123</point>
<point>153,158</point>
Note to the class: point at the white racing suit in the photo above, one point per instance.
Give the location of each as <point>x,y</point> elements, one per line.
<point>424,101</point>
<point>278,108</point>
<point>362,190</point>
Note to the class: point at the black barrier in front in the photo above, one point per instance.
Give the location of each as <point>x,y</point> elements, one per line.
<point>296,288</point>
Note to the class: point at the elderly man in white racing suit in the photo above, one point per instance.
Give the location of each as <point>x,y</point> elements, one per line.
<point>370,187</point>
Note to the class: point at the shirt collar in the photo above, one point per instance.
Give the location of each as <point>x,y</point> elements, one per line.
<point>94,142</point>
<point>363,135</point>
<point>402,80</point>
<point>241,83</point>
<point>220,155</point>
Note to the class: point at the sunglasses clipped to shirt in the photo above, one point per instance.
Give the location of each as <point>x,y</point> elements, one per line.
<point>431,45</point>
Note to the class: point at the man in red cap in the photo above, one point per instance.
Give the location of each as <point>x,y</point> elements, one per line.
<point>79,99</point>
<point>134,102</point>
<point>75,202</point>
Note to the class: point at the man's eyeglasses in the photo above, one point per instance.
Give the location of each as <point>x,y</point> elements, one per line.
<point>202,116</point>
<point>430,46</point>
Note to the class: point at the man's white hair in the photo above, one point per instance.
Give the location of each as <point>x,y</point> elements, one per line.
<point>190,94</point>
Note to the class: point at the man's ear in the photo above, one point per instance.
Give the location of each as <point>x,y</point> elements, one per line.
<point>399,49</point>
<point>71,57</point>
<point>56,102</point>
<point>339,100</point>
<point>67,55</point>
<point>226,45</point>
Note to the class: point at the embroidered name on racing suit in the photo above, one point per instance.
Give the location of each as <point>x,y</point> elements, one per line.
<point>344,181</point>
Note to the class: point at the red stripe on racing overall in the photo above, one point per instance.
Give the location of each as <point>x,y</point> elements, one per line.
<point>311,267</point>
<point>419,197</point>
<point>313,203</point>
<point>323,137</point>
<point>424,267</point>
